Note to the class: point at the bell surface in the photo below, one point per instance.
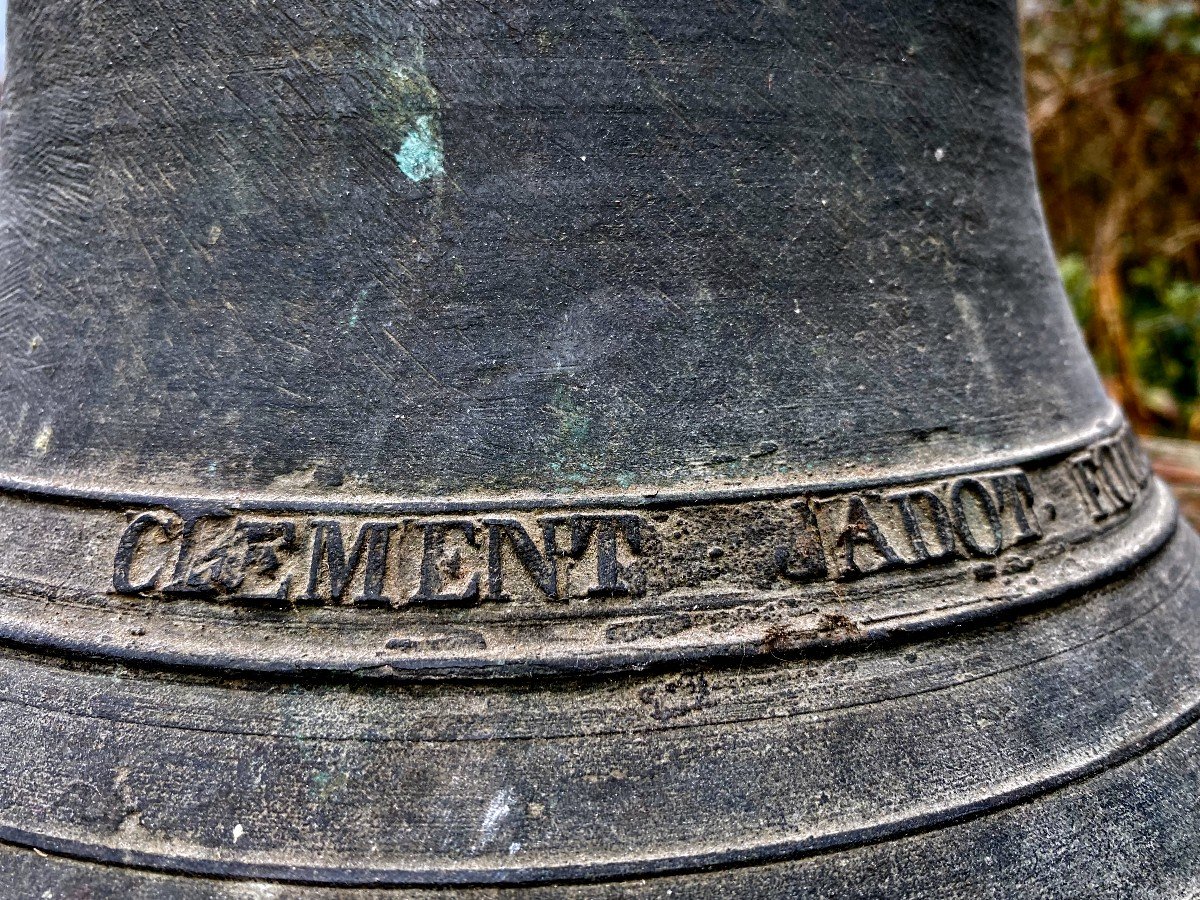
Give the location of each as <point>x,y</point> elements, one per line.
<point>567,449</point>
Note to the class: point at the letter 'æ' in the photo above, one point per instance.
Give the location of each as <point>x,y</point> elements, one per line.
<point>563,448</point>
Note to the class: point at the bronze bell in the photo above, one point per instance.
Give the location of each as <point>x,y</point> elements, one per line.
<point>567,448</point>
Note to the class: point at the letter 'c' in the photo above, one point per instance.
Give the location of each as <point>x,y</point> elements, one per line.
<point>127,547</point>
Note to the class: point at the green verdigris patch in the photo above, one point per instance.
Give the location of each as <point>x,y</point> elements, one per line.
<point>420,156</point>
<point>409,113</point>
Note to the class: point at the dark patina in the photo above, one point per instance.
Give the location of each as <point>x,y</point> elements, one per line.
<point>565,449</point>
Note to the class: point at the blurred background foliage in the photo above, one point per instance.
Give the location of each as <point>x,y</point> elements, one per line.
<point>1114,109</point>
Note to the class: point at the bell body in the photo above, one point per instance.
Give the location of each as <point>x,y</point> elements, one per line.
<point>568,449</point>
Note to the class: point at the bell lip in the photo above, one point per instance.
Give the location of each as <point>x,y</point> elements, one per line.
<point>622,870</point>
<point>614,872</point>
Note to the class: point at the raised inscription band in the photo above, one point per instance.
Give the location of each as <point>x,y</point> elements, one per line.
<point>499,590</point>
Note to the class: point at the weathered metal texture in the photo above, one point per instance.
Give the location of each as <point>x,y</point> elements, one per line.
<point>568,448</point>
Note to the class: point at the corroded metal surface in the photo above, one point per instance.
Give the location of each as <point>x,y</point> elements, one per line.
<point>578,584</point>
<point>566,449</point>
